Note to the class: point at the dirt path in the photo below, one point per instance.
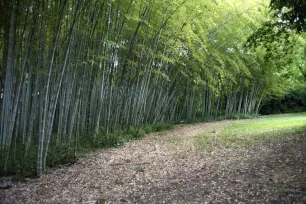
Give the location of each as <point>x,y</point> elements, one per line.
<point>167,168</point>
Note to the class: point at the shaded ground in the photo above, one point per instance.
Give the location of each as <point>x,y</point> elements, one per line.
<point>167,167</point>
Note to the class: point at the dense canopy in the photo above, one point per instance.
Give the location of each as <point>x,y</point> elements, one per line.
<point>78,73</point>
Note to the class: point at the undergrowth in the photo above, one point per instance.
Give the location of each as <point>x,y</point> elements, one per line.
<point>60,153</point>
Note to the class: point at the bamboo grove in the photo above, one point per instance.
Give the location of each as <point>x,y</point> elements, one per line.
<point>74,71</point>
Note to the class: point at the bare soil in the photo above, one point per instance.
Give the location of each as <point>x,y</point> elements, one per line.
<point>167,167</point>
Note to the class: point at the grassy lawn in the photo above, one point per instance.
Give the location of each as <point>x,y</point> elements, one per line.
<point>248,132</point>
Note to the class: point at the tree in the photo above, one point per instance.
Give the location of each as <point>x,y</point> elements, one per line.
<point>291,12</point>
<point>77,73</point>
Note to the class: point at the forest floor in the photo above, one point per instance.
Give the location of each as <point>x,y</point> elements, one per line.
<point>169,167</point>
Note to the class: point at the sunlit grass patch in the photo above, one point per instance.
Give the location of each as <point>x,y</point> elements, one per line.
<point>266,128</point>
<point>248,132</point>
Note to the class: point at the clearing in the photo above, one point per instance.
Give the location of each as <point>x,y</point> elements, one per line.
<point>245,161</point>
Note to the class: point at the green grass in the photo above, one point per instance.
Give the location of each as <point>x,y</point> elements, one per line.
<point>248,132</point>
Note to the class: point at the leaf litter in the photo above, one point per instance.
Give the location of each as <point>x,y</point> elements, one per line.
<point>166,167</point>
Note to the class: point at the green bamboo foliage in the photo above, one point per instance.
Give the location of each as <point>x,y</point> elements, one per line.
<point>74,72</point>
